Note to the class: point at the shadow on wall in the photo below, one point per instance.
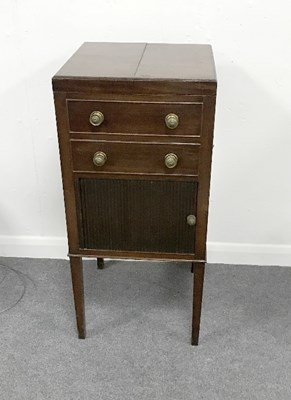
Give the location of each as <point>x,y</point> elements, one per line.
<point>251,191</point>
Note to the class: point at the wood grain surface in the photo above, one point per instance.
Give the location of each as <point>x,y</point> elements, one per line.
<point>134,206</point>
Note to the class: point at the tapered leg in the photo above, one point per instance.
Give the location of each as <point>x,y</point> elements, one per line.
<point>78,289</point>
<point>100,263</point>
<point>192,268</point>
<point>197,300</point>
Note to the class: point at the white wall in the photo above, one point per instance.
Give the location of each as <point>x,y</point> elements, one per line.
<point>250,211</point>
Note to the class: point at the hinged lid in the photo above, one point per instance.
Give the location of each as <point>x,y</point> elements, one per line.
<point>180,64</point>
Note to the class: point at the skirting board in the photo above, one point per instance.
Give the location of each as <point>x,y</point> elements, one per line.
<point>224,253</point>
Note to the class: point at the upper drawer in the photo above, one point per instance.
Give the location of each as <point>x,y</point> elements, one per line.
<point>146,118</point>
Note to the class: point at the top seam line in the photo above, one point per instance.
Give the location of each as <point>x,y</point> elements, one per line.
<point>141,57</point>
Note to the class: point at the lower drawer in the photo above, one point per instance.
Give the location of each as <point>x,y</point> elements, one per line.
<point>135,158</point>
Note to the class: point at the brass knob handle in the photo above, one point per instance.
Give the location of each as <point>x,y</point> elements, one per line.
<point>171,160</point>
<point>99,158</point>
<point>191,220</point>
<point>172,121</point>
<point>96,118</point>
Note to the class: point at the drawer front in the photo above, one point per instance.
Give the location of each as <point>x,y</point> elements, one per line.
<point>137,158</point>
<point>136,215</point>
<point>134,117</point>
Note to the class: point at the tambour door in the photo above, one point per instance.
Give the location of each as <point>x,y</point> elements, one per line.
<point>137,215</point>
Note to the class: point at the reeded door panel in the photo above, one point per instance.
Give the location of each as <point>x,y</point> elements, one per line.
<point>136,215</point>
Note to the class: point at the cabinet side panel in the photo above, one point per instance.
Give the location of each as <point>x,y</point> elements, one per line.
<point>67,174</point>
<point>204,172</point>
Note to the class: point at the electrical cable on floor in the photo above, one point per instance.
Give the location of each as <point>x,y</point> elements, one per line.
<point>4,276</point>
<point>23,278</point>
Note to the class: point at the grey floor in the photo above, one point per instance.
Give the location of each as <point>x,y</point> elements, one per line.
<point>138,333</point>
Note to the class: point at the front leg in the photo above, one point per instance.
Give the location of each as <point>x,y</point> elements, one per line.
<point>78,290</point>
<point>197,300</point>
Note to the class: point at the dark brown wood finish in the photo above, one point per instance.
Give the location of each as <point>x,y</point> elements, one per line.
<point>135,86</point>
<point>78,290</point>
<point>140,61</point>
<point>125,137</point>
<point>140,157</point>
<point>67,176</point>
<point>138,255</point>
<point>198,269</point>
<point>135,117</point>
<point>139,68</point>
<point>136,215</point>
